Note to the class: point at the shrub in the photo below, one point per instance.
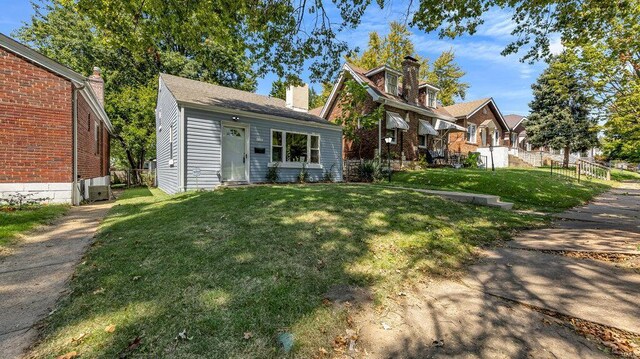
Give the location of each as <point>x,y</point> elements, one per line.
<point>472,160</point>
<point>303,176</point>
<point>370,170</point>
<point>273,173</point>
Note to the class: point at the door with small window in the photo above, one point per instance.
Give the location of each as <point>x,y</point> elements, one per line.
<point>234,155</point>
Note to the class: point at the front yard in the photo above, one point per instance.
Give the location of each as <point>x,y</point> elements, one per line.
<point>237,267</point>
<point>14,222</point>
<point>533,189</point>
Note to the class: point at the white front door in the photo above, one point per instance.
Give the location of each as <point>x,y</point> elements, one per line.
<point>234,154</point>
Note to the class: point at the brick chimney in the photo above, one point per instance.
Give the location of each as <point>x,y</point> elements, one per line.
<point>410,71</point>
<point>97,84</point>
<point>298,98</point>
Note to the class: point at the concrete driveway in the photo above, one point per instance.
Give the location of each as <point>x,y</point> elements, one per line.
<point>37,272</point>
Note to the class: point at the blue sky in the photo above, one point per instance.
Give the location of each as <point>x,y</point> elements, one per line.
<point>505,79</point>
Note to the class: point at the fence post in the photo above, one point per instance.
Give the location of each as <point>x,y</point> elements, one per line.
<point>551,167</point>
<point>578,169</point>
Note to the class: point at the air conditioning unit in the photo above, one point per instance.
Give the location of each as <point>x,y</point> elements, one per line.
<point>99,193</point>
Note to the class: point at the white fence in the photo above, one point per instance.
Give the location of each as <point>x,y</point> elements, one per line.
<point>500,156</point>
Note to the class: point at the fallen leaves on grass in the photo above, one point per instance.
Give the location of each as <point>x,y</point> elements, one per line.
<point>69,355</point>
<point>110,328</point>
<point>247,335</point>
<point>79,339</point>
<point>183,335</point>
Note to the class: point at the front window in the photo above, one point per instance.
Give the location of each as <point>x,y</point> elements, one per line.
<point>393,133</point>
<point>432,98</point>
<point>391,84</point>
<point>422,141</point>
<point>471,133</point>
<point>295,147</point>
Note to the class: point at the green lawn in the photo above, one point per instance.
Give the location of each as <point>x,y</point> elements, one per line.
<point>13,222</point>
<point>527,188</point>
<point>621,175</point>
<point>256,259</point>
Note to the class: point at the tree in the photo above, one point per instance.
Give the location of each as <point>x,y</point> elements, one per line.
<point>561,111</point>
<point>445,73</point>
<point>278,89</point>
<point>221,42</point>
<point>355,113</point>
<point>622,130</point>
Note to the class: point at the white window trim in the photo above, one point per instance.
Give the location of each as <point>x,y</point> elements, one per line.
<point>394,141</point>
<point>287,164</point>
<point>432,96</point>
<point>387,88</point>
<point>496,137</point>
<point>475,133</point>
<point>420,145</point>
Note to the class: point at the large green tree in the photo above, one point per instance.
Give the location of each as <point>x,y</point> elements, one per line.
<point>218,41</point>
<point>445,73</point>
<point>561,110</point>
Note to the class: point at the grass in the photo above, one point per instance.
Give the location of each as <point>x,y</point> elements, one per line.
<point>14,222</point>
<point>531,189</point>
<point>221,264</point>
<point>623,175</point>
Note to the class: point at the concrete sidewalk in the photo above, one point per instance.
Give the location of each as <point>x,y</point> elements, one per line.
<point>36,274</point>
<point>587,289</point>
<point>472,319</point>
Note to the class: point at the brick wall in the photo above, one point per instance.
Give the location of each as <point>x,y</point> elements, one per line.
<point>93,151</point>
<point>35,123</point>
<point>368,139</point>
<point>457,140</point>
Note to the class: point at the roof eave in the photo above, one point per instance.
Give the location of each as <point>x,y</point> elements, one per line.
<point>328,125</point>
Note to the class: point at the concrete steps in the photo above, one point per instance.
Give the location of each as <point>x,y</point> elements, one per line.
<point>464,197</point>
<point>515,161</point>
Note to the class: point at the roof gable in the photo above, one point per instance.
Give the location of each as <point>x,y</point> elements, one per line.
<point>360,75</point>
<point>513,120</point>
<point>468,109</point>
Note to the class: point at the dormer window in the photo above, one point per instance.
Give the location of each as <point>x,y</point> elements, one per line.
<point>431,98</point>
<point>391,84</point>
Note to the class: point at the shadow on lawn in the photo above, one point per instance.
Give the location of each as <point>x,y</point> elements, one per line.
<point>220,264</point>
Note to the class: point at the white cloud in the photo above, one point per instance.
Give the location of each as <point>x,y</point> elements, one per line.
<point>497,23</point>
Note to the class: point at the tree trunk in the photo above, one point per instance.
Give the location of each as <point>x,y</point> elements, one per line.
<point>567,152</point>
<point>131,159</point>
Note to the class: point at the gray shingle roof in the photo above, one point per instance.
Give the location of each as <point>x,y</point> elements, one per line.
<point>205,94</point>
<point>512,120</point>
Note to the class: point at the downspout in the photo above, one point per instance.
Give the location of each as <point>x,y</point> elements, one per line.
<point>380,141</point>
<point>75,200</point>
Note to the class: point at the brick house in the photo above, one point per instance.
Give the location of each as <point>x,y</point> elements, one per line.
<point>414,121</point>
<point>486,130</point>
<point>517,132</point>
<point>53,128</point>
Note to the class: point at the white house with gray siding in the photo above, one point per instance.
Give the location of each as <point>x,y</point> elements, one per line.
<point>208,135</point>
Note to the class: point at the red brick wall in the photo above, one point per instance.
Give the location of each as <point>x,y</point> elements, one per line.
<point>93,156</point>
<point>457,140</point>
<point>35,123</point>
<point>368,139</point>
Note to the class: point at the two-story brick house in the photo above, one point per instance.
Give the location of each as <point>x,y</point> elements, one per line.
<point>412,119</point>
<point>54,132</point>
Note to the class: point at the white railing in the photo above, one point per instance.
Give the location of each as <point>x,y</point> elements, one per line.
<point>594,170</point>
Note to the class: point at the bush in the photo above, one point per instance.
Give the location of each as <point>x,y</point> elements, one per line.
<point>370,170</point>
<point>303,176</point>
<point>472,160</point>
<point>273,173</point>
